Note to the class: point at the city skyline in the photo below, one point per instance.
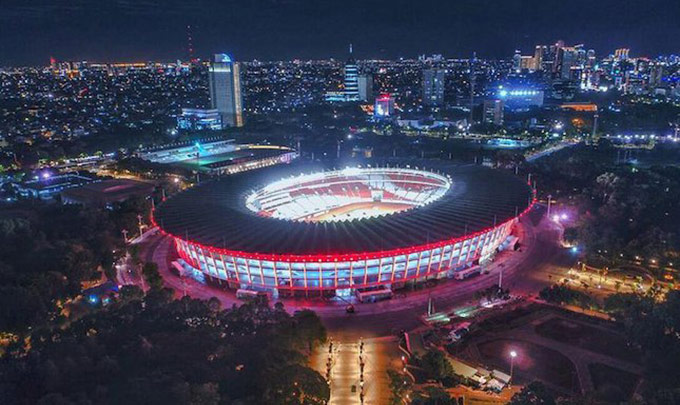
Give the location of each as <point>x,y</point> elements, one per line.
<point>282,30</point>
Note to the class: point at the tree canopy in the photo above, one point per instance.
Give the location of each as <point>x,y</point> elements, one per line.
<point>156,350</point>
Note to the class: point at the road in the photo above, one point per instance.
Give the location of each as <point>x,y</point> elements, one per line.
<point>340,362</point>
<point>540,262</point>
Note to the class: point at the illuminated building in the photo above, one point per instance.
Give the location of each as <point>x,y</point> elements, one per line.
<point>521,99</point>
<point>383,224</point>
<point>351,78</point>
<point>433,86</point>
<point>493,112</point>
<point>384,106</point>
<point>539,56</point>
<point>566,58</point>
<point>219,156</point>
<point>621,54</point>
<point>46,185</point>
<point>198,119</point>
<point>225,90</point>
<point>517,60</point>
<point>365,83</point>
<point>582,107</point>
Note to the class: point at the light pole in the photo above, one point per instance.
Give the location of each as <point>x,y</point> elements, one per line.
<point>513,354</point>
<point>141,225</point>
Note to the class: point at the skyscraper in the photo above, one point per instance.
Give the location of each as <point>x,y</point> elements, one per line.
<point>365,87</point>
<point>539,53</point>
<point>493,112</point>
<point>621,54</point>
<point>517,61</point>
<point>567,57</point>
<point>225,90</point>
<point>433,86</point>
<point>351,78</point>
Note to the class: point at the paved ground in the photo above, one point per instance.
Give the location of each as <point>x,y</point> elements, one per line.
<point>344,358</point>
<point>530,363</point>
<point>540,262</point>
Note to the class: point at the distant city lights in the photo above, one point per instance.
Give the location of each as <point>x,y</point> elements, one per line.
<point>516,93</point>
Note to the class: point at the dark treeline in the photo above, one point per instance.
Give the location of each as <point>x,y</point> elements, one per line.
<point>156,350</point>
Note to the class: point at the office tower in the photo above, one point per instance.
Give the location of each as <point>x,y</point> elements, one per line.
<point>225,90</point>
<point>517,61</point>
<point>621,54</point>
<point>539,53</point>
<point>592,60</point>
<point>351,78</point>
<point>565,58</point>
<point>365,83</point>
<point>384,106</point>
<point>493,112</point>
<point>526,63</point>
<point>656,74</point>
<point>433,86</point>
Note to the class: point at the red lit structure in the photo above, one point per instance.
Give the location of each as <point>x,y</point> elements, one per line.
<point>247,232</point>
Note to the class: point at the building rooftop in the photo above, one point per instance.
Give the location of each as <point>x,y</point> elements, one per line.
<point>106,192</point>
<point>215,213</point>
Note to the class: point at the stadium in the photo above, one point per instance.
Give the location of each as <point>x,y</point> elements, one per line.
<point>364,228</point>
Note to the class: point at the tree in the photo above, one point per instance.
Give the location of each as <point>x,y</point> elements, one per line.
<point>146,352</point>
<point>400,385</point>
<point>571,235</point>
<point>297,385</point>
<point>152,276</point>
<point>309,328</point>
<point>432,396</point>
<point>561,294</point>
<point>131,293</point>
<point>436,365</point>
<point>533,393</point>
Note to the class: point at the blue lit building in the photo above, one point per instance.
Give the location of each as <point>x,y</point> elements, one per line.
<point>46,185</point>
<point>225,90</point>
<point>433,86</point>
<point>196,119</point>
<point>383,107</point>
<point>520,99</point>
<point>351,78</point>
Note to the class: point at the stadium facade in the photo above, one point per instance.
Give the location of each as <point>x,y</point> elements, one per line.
<point>311,227</point>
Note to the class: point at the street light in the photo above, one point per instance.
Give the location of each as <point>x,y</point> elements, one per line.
<point>513,354</point>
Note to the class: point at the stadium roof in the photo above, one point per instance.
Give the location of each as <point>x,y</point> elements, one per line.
<point>214,213</point>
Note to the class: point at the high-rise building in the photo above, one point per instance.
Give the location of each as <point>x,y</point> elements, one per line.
<point>592,60</point>
<point>526,63</point>
<point>517,61</point>
<point>365,84</point>
<point>493,112</point>
<point>225,90</point>
<point>351,78</point>
<point>433,86</point>
<point>621,54</point>
<point>656,74</point>
<point>566,58</point>
<point>539,53</point>
<point>384,106</point>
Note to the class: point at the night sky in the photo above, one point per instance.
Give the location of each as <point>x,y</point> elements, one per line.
<point>139,30</point>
